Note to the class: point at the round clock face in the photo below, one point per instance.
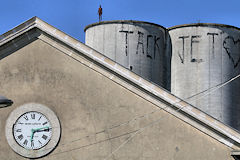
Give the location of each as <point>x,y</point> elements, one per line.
<point>32,130</point>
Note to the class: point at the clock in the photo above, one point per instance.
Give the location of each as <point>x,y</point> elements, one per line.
<point>33,130</point>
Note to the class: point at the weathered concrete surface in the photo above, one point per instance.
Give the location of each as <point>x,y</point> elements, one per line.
<point>97,114</point>
<point>204,56</point>
<point>139,46</point>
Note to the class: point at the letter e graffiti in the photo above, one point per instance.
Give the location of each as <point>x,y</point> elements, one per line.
<point>193,40</point>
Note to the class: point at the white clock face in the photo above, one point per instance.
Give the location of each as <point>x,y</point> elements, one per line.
<point>32,130</point>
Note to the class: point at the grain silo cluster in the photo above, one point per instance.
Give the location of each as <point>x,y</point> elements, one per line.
<point>195,62</point>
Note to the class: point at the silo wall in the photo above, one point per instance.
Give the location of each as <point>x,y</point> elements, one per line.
<point>139,46</point>
<point>204,56</point>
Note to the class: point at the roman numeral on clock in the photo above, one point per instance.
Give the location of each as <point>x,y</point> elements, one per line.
<point>44,137</point>
<point>20,137</point>
<point>25,142</point>
<point>25,117</point>
<point>19,130</point>
<point>33,116</point>
<point>32,144</point>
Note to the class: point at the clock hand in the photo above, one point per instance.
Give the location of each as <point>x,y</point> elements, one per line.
<point>38,130</point>
<point>33,131</point>
<point>42,129</point>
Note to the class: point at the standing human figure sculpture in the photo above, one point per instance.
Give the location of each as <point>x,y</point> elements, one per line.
<point>100,13</point>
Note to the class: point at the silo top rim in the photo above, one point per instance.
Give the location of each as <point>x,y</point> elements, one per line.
<point>202,25</point>
<point>121,22</point>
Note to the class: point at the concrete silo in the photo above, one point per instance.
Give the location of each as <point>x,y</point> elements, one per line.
<point>203,57</point>
<point>139,46</point>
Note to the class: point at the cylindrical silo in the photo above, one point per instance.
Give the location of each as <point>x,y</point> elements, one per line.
<point>139,46</point>
<point>204,56</point>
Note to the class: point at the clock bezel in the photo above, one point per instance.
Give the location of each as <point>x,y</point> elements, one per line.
<point>50,115</point>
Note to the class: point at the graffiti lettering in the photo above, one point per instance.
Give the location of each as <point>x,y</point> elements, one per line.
<point>213,35</point>
<point>183,41</point>
<point>228,43</point>
<point>156,45</point>
<point>193,40</point>
<point>152,46</point>
<point>140,41</point>
<point>148,54</point>
<point>126,39</point>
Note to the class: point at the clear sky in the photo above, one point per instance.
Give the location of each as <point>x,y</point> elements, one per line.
<point>71,16</point>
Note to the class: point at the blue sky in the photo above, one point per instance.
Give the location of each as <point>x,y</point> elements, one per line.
<point>71,16</point>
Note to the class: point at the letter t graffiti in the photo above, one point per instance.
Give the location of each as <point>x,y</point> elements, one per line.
<point>126,40</point>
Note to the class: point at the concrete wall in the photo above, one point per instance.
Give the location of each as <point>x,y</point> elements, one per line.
<point>138,46</point>
<point>203,57</point>
<point>96,114</point>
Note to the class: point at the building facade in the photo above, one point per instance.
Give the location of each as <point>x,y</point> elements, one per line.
<point>104,111</point>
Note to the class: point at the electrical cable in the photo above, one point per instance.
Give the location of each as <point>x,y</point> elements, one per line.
<point>142,129</point>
